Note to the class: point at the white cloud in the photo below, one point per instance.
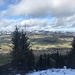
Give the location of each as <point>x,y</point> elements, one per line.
<point>34,22</point>
<point>62,10</point>
<point>41,8</point>
<point>9,24</point>
<point>38,24</point>
<point>52,24</point>
<point>31,24</point>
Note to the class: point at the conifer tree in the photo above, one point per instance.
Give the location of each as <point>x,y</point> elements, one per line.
<point>40,62</point>
<point>61,61</point>
<point>44,62</point>
<point>16,48</point>
<point>71,55</point>
<point>22,56</point>
<point>57,60</point>
<point>48,61</point>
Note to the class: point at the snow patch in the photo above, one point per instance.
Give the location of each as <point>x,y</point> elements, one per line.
<point>54,72</point>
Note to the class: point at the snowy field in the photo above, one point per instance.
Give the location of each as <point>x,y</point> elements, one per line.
<point>54,72</point>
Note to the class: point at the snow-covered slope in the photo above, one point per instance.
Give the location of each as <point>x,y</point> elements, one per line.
<point>54,72</point>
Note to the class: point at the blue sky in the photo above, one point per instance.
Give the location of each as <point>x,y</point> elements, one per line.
<point>52,15</point>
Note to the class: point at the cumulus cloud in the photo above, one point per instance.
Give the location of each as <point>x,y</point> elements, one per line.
<point>62,12</point>
<point>38,24</point>
<point>41,8</point>
<point>34,22</point>
<point>6,24</point>
<point>31,24</point>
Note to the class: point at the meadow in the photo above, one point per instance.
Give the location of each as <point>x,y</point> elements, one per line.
<point>42,42</point>
<point>37,42</point>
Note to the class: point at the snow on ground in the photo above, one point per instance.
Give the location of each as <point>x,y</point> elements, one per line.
<point>54,72</point>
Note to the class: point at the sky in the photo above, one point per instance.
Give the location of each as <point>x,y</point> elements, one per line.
<point>48,15</point>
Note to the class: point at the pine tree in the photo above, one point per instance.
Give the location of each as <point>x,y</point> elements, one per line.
<point>71,55</point>
<point>22,56</point>
<point>26,52</point>
<point>57,60</point>
<point>61,61</point>
<point>16,48</point>
<point>40,62</point>
<point>48,61</point>
<point>69,59</point>
<point>44,61</point>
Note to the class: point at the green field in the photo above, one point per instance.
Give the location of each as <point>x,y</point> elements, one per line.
<point>4,59</point>
<point>37,42</point>
<point>41,42</point>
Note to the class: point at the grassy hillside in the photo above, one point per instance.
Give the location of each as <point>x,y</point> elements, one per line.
<point>48,41</point>
<point>38,42</point>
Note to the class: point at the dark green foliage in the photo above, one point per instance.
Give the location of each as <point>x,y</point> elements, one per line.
<point>48,60</point>
<point>22,56</point>
<point>44,62</point>
<point>61,61</point>
<point>16,42</point>
<point>57,60</point>
<point>40,63</point>
<point>71,56</point>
